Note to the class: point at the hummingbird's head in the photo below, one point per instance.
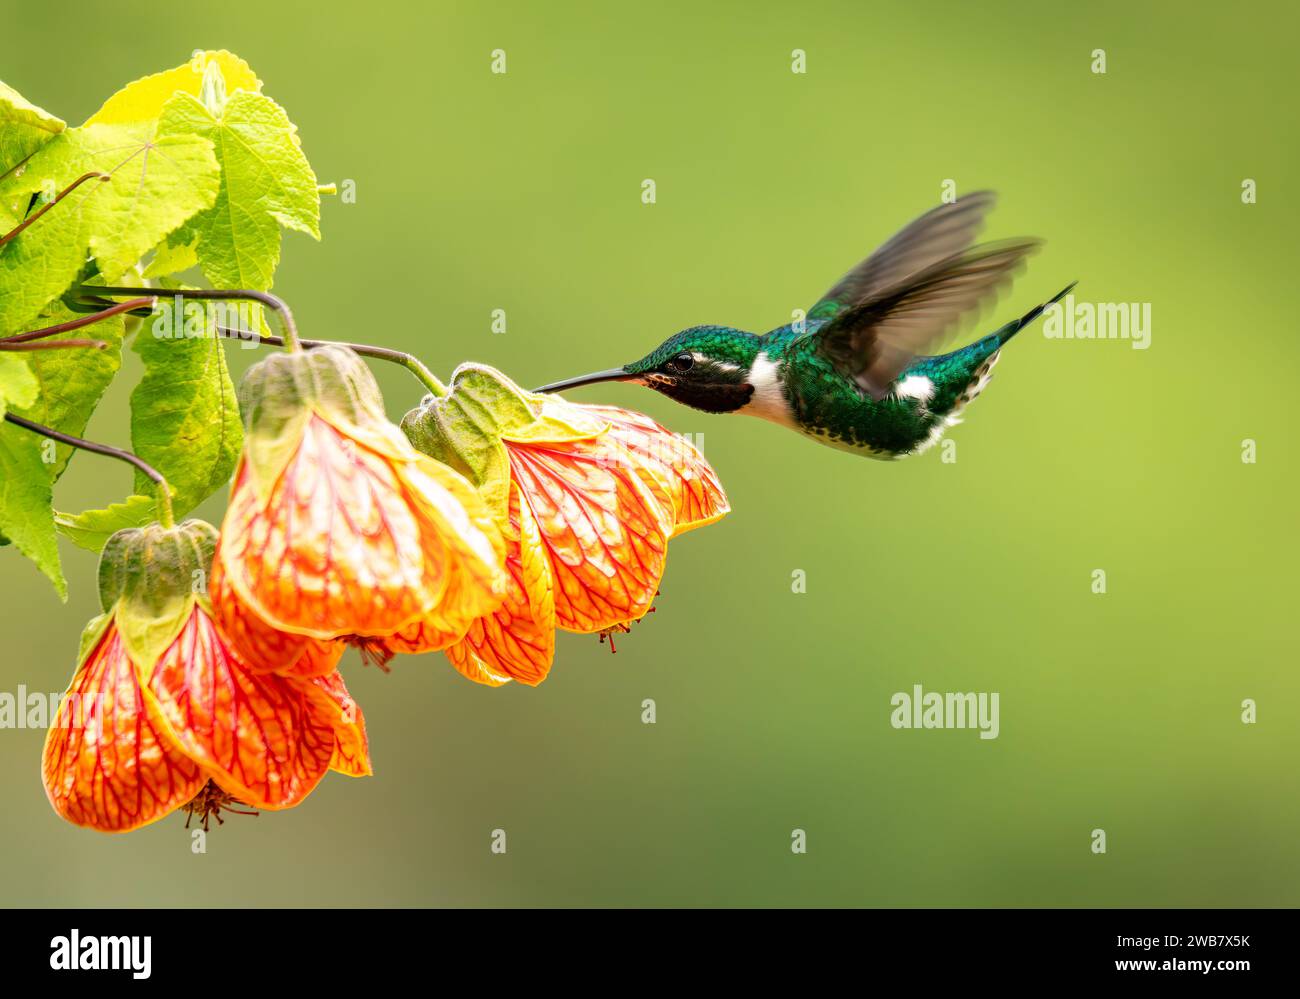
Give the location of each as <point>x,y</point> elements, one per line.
<point>705,367</point>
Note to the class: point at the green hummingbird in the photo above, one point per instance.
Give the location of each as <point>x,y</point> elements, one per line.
<point>853,374</point>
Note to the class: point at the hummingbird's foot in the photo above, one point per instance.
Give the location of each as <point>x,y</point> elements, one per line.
<point>208,805</point>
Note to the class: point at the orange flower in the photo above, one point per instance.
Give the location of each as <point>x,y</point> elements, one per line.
<point>587,498</point>
<point>266,649</point>
<point>338,528</point>
<point>161,708</point>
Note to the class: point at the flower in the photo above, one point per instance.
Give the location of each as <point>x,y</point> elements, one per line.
<point>587,498</point>
<point>162,713</point>
<point>339,529</point>
<point>266,649</point>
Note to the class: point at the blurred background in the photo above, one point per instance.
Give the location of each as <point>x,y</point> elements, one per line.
<point>522,192</point>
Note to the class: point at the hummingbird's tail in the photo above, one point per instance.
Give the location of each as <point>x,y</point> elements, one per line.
<point>1016,325</point>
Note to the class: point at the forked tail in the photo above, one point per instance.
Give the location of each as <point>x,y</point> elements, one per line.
<point>1016,325</point>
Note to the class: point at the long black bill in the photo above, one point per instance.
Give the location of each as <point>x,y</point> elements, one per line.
<point>612,375</point>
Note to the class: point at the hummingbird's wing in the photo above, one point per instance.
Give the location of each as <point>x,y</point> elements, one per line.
<point>873,341</point>
<point>937,235</point>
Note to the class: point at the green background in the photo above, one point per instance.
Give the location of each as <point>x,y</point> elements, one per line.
<point>476,192</point>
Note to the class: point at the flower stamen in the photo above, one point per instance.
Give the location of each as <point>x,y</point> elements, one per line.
<point>625,628</point>
<point>373,652</point>
<point>209,803</point>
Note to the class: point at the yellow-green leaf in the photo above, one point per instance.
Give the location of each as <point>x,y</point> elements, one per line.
<point>24,128</point>
<point>18,386</point>
<point>184,415</point>
<point>156,183</point>
<point>71,381</point>
<point>266,183</point>
<point>26,513</point>
<point>91,528</point>
<point>143,99</point>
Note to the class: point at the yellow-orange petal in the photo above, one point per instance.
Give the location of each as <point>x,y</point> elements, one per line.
<point>261,736</point>
<point>697,494</point>
<point>517,640</point>
<point>458,514</point>
<point>428,635</point>
<point>265,649</point>
<point>106,764</point>
<point>351,744</point>
<point>336,549</point>
<point>604,530</point>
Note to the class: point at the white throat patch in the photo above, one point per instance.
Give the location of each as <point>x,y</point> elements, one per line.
<point>768,401</point>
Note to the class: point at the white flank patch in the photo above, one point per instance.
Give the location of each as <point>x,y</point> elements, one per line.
<point>916,387</point>
<point>768,401</point>
<point>954,416</point>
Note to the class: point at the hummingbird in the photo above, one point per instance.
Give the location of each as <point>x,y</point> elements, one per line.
<point>853,373</point>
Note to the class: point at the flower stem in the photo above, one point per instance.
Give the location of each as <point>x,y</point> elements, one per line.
<point>53,201</point>
<point>274,302</point>
<point>76,324</point>
<point>164,498</point>
<point>53,345</point>
<point>409,361</point>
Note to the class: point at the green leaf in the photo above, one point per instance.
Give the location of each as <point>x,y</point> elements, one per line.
<point>72,381</point>
<point>24,128</point>
<point>91,528</point>
<point>266,183</point>
<point>184,416</point>
<point>26,514</point>
<point>172,257</point>
<point>143,99</point>
<point>18,386</point>
<point>156,183</point>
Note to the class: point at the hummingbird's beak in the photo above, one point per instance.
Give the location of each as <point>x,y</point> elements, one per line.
<point>612,375</point>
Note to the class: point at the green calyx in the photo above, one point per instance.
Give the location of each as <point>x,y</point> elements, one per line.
<point>279,394</point>
<point>467,428</point>
<point>149,580</point>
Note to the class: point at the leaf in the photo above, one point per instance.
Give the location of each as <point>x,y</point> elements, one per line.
<point>143,100</point>
<point>18,385</point>
<point>90,529</point>
<point>26,514</point>
<point>24,128</point>
<point>156,184</point>
<point>184,416</point>
<point>171,258</point>
<point>71,382</point>
<point>266,183</point>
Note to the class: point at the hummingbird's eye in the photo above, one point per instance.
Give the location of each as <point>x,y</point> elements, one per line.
<point>682,362</point>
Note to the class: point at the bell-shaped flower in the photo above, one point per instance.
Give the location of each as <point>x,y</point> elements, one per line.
<point>337,527</point>
<point>587,498</point>
<point>162,713</point>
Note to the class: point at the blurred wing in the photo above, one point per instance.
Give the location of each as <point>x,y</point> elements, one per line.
<point>873,341</point>
<point>937,235</point>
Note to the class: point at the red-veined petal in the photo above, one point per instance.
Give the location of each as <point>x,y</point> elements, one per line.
<point>262,737</point>
<point>351,746</point>
<point>605,531</point>
<point>697,494</point>
<point>336,549</point>
<point>106,764</point>
<point>263,648</point>
<point>517,640</point>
